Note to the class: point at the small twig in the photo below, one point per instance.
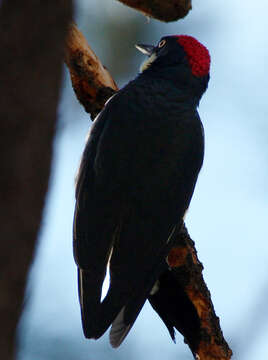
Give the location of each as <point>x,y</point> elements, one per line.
<point>93,85</point>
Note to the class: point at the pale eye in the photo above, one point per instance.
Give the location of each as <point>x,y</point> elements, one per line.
<point>162,43</point>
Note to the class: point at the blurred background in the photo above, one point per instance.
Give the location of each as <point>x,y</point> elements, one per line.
<point>228,215</point>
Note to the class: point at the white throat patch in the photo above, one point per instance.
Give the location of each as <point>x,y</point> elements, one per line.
<point>147,63</point>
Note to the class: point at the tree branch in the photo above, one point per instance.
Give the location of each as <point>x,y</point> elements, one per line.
<point>93,86</point>
<point>92,83</point>
<point>167,10</point>
<point>207,341</point>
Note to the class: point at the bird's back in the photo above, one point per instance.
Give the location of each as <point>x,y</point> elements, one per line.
<point>152,132</point>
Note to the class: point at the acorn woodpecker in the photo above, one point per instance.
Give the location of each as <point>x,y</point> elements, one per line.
<point>135,182</point>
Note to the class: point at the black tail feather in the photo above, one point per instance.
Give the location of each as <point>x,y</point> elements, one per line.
<point>176,310</point>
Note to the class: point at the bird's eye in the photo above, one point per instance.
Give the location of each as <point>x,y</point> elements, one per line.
<point>162,43</point>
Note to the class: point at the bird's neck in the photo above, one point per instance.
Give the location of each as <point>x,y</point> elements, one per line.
<point>177,79</point>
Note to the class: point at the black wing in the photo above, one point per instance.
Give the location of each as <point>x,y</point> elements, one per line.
<point>174,307</point>
<point>135,182</point>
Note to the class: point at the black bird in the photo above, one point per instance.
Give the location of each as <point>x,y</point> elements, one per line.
<point>135,182</point>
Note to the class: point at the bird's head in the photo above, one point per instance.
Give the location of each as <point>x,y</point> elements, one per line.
<point>176,50</point>
<point>177,56</point>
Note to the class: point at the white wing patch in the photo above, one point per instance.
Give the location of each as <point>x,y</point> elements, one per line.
<point>81,289</point>
<point>96,118</point>
<point>119,329</point>
<point>171,234</point>
<point>110,98</point>
<point>155,288</point>
<point>106,283</point>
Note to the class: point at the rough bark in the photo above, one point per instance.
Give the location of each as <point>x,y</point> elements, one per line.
<point>32,37</point>
<point>92,83</point>
<point>207,342</point>
<point>167,10</point>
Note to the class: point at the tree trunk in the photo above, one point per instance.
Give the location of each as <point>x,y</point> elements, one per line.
<point>32,37</point>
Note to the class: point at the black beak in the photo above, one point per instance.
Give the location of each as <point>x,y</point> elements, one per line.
<point>145,49</point>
